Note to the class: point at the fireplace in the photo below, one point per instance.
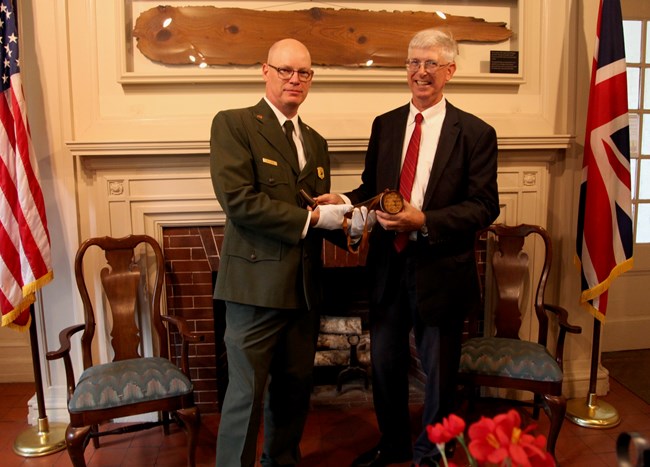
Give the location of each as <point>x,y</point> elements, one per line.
<point>192,265</point>
<point>165,190</point>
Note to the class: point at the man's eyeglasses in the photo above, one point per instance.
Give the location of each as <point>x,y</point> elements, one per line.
<point>430,66</point>
<point>287,73</point>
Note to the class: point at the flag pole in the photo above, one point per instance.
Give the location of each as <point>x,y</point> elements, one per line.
<point>44,438</point>
<point>590,412</point>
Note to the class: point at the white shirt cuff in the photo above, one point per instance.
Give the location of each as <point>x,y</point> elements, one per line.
<point>306,227</point>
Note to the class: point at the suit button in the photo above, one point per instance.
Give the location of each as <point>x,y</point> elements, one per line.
<point>253,256</point>
<point>271,180</point>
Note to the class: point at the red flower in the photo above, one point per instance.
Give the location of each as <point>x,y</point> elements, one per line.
<point>444,432</point>
<point>501,438</point>
<point>498,441</point>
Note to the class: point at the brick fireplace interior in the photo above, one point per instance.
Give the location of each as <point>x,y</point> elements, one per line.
<point>191,265</point>
<point>191,258</point>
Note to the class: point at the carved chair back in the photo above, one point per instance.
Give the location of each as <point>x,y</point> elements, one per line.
<point>510,278</point>
<point>131,297</point>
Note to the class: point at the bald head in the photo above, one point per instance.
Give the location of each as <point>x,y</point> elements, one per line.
<point>290,47</point>
<point>286,58</point>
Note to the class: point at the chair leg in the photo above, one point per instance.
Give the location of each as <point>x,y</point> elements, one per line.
<point>75,440</point>
<point>555,408</point>
<point>165,419</point>
<point>469,394</point>
<point>95,429</point>
<point>537,403</point>
<point>191,418</point>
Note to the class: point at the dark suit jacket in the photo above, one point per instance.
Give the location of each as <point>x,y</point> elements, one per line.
<point>263,261</point>
<point>461,198</point>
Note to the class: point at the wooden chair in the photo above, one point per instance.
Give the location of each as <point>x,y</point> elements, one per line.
<point>497,357</point>
<point>130,384</point>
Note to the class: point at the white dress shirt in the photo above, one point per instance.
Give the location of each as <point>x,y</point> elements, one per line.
<point>297,139</point>
<point>297,135</point>
<point>431,128</point>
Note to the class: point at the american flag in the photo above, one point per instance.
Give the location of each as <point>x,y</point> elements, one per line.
<point>604,239</point>
<point>25,262</point>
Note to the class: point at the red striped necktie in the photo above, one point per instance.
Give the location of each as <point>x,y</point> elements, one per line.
<point>408,176</point>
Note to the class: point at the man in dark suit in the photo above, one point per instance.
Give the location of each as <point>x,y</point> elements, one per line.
<point>270,260</point>
<point>431,283</point>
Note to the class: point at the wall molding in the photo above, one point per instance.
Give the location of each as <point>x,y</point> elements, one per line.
<point>158,148</point>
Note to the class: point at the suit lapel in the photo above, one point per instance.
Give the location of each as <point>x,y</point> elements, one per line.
<point>309,147</point>
<point>448,135</point>
<point>270,129</point>
<point>393,163</point>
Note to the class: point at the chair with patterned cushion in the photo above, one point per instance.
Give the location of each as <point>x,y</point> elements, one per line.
<point>130,384</point>
<point>497,354</point>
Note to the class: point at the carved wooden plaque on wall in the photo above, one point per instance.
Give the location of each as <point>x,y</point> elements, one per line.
<point>335,37</point>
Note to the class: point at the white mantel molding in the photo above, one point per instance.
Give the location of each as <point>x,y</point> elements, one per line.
<point>157,148</point>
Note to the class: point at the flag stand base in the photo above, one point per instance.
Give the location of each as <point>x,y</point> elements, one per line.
<point>42,440</point>
<point>591,413</point>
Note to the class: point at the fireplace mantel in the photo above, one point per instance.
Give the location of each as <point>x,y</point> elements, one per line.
<point>157,148</point>
<point>144,187</point>
<point>150,183</point>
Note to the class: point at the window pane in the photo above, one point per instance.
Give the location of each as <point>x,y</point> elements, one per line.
<point>633,88</point>
<point>646,88</point>
<point>644,180</point>
<point>643,224</point>
<point>647,43</point>
<point>633,166</point>
<point>632,34</point>
<point>645,136</point>
<point>635,125</point>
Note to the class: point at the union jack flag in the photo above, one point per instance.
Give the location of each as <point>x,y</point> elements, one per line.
<point>24,238</point>
<point>604,238</point>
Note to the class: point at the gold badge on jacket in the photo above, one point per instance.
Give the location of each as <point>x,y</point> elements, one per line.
<point>321,172</point>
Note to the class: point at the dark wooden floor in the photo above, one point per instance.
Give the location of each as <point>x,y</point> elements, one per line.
<point>334,435</point>
<point>631,368</point>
